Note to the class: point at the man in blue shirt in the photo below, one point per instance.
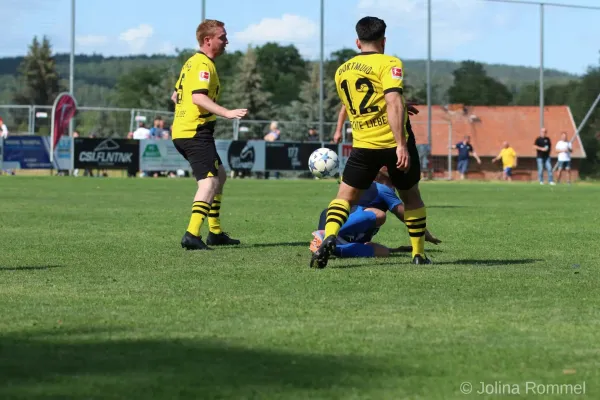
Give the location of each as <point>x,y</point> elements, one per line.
<point>354,238</point>
<point>464,151</point>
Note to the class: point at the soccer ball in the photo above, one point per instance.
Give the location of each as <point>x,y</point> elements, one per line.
<point>323,162</point>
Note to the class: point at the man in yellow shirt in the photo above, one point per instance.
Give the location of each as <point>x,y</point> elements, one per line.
<point>509,161</point>
<point>195,96</point>
<point>370,86</point>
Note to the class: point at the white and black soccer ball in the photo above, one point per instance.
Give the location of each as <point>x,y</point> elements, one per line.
<point>323,163</point>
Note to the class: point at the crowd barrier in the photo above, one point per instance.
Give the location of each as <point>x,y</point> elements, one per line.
<point>33,152</point>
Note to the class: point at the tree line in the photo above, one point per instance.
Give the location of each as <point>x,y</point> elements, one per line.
<point>276,82</point>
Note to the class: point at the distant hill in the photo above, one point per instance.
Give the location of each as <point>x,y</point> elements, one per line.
<point>96,75</point>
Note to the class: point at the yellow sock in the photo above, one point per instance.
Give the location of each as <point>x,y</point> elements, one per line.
<point>337,214</point>
<point>199,212</point>
<point>415,221</point>
<point>214,219</point>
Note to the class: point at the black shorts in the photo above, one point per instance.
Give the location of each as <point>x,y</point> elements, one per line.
<point>364,164</point>
<point>202,155</point>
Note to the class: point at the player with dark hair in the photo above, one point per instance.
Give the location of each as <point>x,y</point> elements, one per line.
<point>196,110</point>
<point>370,86</point>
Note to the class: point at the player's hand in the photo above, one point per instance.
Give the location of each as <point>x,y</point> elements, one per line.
<point>412,110</point>
<point>403,158</point>
<point>236,114</point>
<point>337,137</point>
<point>431,239</point>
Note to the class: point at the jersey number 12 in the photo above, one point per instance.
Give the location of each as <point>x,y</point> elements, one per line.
<point>363,108</point>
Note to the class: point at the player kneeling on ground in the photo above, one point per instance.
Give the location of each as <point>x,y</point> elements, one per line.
<point>356,235</point>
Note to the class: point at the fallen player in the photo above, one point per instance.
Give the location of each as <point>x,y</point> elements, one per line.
<point>356,235</point>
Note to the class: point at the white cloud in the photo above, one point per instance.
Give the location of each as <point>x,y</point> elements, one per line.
<point>137,37</point>
<point>166,48</point>
<point>288,28</point>
<point>453,22</point>
<point>91,40</point>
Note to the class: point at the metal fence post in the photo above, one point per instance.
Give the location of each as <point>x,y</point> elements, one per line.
<point>449,150</point>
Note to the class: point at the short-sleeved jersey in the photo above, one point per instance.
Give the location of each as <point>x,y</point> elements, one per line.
<point>464,150</point>
<point>198,75</point>
<point>362,83</point>
<point>508,156</point>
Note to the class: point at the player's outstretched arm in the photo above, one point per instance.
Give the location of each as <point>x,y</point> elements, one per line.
<point>206,102</point>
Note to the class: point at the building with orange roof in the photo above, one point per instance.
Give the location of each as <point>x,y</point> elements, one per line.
<point>489,127</point>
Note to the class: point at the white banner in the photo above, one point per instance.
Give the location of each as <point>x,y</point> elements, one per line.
<point>239,155</point>
<point>161,155</point>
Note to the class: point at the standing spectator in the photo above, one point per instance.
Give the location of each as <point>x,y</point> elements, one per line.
<point>3,129</point>
<point>465,149</point>
<point>542,145</point>
<point>564,149</point>
<point>312,136</point>
<point>509,161</point>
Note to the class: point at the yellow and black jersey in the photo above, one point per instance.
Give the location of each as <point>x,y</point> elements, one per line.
<point>198,75</point>
<point>362,83</point>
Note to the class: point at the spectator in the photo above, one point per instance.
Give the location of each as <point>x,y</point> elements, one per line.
<point>509,161</point>
<point>564,149</point>
<point>542,145</point>
<point>465,149</point>
<point>141,132</point>
<point>3,129</point>
<point>274,132</point>
<point>156,132</point>
<point>312,135</point>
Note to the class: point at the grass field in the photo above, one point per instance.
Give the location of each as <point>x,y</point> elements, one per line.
<point>98,300</point>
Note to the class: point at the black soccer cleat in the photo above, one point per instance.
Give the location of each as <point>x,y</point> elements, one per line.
<point>420,260</point>
<point>321,256</point>
<point>192,242</point>
<point>220,239</point>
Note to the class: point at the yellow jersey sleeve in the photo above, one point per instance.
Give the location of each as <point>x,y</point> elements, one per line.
<point>392,76</point>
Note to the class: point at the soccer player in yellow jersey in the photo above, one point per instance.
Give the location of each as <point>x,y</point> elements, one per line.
<point>509,161</point>
<point>196,94</point>
<point>370,86</point>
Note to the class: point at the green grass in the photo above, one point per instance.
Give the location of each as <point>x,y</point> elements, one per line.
<point>98,300</point>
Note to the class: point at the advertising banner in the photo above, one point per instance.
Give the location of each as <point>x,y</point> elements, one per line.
<point>242,155</point>
<point>26,152</point>
<point>161,155</point>
<point>291,156</point>
<point>107,153</point>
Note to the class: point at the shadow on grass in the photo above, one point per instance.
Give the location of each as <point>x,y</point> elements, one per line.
<point>283,244</point>
<point>495,262</point>
<point>30,268</point>
<point>66,367</point>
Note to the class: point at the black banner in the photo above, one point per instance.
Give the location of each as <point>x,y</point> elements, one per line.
<point>290,156</point>
<point>107,153</point>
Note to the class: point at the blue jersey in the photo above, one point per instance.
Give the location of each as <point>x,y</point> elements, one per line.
<point>379,196</point>
<point>361,225</point>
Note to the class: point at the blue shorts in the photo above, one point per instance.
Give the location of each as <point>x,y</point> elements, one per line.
<point>463,166</point>
<point>564,165</point>
<point>508,171</point>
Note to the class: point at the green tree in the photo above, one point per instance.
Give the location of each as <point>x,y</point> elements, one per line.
<point>136,88</point>
<point>39,78</point>
<point>472,86</point>
<point>305,111</point>
<point>283,70</point>
<point>247,90</point>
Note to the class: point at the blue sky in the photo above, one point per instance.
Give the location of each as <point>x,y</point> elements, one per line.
<point>462,29</point>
